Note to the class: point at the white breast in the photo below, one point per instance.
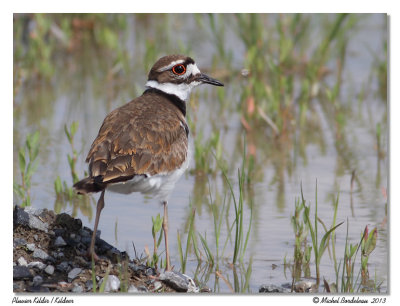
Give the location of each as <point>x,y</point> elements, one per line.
<point>159,185</point>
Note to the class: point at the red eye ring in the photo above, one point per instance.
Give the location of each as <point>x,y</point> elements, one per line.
<point>179,69</point>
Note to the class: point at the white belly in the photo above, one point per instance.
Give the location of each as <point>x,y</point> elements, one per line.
<point>159,185</point>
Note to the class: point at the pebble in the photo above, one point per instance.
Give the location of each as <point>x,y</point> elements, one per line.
<point>133,289</point>
<point>89,285</point>
<point>20,216</point>
<point>49,269</point>
<point>273,289</point>
<point>305,285</point>
<point>37,280</point>
<point>142,288</point>
<point>81,261</point>
<point>22,261</point>
<point>68,222</point>
<point>31,210</point>
<point>21,272</point>
<point>59,242</point>
<point>86,240</point>
<point>77,289</point>
<point>112,283</point>
<point>59,255</point>
<point>63,266</point>
<point>85,232</point>
<point>180,282</point>
<point>19,242</point>
<point>37,264</point>
<point>36,223</point>
<point>74,273</point>
<point>31,247</point>
<point>38,253</point>
<point>157,286</point>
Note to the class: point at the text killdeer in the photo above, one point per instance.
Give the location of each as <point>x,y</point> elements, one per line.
<point>142,146</point>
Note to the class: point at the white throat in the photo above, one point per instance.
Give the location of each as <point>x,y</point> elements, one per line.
<point>182,91</point>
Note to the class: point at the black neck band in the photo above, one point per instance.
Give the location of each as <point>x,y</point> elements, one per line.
<point>179,103</point>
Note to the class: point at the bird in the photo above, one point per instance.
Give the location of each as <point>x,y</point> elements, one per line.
<point>142,146</point>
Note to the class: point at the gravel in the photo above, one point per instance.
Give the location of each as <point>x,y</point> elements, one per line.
<point>49,255</point>
<point>22,261</point>
<point>37,264</point>
<point>180,282</point>
<point>37,280</point>
<point>59,242</point>
<point>73,274</point>
<point>49,269</point>
<point>21,272</point>
<point>40,254</point>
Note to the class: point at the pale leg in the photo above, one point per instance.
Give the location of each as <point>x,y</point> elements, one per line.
<point>100,206</point>
<point>165,229</point>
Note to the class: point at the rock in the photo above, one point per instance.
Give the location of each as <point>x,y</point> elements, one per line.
<point>37,264</point>
<point>112,283</point>
<point>150,272</point>
<point>22,262</point>
<point>21,272</point>
<point>36,223</point>
<point>59,242</point>
<point>20,216</point>
<point>38,253</point>
<point>132,289</point>
<point>273,289</point>
<point>37,280</point>
<point>49,269</point>
<point>157,286</point>
<point>63,266</point>
<point>85,232</point>
<point>305,285</point>
<point>140,268</point>
<point>19,242</point>
<point>31,247</point>
<point>36,237</point>
<point>28,217</point>
<point>179,282</point>
<point>59,231</point>
<point>82,261</point>
<point>77,289</point>
<point>86,240</point>
<point>142,289</point>
<point>58,255</point>
<point>89,285</point>
<point>34,211</point>
<point>66,221</point>
<point>73,274</point>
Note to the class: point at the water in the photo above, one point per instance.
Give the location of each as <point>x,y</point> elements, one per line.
<point>82,89</point>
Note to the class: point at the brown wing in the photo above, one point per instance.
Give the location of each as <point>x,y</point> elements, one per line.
<point>141,137</point>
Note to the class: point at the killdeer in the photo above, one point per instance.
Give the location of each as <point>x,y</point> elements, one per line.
<point>142,146</point>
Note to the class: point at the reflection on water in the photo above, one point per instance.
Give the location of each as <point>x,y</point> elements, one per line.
<point>301,126</point>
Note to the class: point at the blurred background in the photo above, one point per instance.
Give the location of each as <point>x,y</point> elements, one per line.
<point>300,124</point>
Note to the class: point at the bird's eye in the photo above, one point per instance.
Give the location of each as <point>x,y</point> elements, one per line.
<point>179,69</point>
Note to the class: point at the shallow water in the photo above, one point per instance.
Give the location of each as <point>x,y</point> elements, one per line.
<point>82,90</point>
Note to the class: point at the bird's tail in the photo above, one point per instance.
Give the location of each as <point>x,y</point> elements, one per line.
<point>88,185</point>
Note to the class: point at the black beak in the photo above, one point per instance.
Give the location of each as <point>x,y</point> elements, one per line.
<point>208,80</point>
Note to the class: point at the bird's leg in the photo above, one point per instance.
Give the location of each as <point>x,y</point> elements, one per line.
<point>100,206</point>
<point>165,229</point>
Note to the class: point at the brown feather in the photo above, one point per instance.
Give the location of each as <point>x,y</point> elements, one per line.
<point>143,137</point>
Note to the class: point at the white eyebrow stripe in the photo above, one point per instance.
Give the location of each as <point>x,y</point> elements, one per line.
<point>171,65</point>
<point>192,69</point>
